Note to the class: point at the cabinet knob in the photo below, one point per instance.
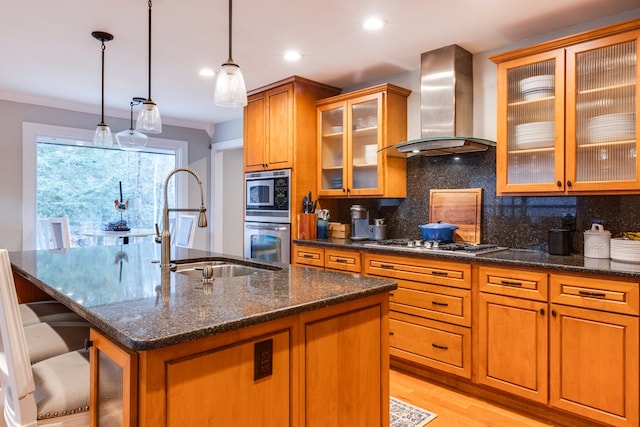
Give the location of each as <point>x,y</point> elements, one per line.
<point>344,190</point>
<point>542,311</point>
<point>554,313</point>
<point>569,184</point>
<point>559,183</point>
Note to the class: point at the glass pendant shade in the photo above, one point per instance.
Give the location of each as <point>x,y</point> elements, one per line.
<point>149,120</point>
<point>230,90</point>
<point>131,139</point>
<point>103,136</point>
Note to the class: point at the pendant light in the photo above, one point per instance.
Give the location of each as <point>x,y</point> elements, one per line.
<point>149,117</point>
<point>230,90</point>
<point>131,139</point>
<point>102,137</point>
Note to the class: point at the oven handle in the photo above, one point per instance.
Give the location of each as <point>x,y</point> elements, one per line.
<point>266,227</point>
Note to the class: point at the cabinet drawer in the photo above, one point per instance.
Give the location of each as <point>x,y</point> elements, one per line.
<point>418,269</point>
<point>435,302</point>
<point>308,255</point>
<point>435,344</point>
<point>516,283</point>
<point>598,294</point>
<point>335,259</point>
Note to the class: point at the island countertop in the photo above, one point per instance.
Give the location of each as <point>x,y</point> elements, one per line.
<point>122,291</point>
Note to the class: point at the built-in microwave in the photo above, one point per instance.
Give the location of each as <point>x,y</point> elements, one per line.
<point>267,196</point>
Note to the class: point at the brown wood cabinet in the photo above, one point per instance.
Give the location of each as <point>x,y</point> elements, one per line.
<point>279,123</point>
<point>327,258</point>
<point>336,354</point>
<point>513,331</point>
<point>114,379</point>
<point>342,260</point>
<point>280,133</point>
<point>352,127</point>
<point>307,255</point>
<point>268,131</point>
<point>430,312</point>
<point>567,115</point>
<point>594,353</point>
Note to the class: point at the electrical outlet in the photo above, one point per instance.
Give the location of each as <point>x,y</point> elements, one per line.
<point>262,359</point>
<point>569,222</point>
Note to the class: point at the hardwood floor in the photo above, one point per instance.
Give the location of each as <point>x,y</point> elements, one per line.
<point>454,409</point>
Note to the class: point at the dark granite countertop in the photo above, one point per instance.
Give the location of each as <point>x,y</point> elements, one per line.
<point>120,291</point>
<point>509,257</point>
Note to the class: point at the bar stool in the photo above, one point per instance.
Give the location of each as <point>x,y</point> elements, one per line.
<point>54,390</point>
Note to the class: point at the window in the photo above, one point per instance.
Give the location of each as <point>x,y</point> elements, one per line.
<point>74,178</point>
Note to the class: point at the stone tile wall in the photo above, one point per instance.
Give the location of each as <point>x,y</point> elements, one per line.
<point>516,222</point>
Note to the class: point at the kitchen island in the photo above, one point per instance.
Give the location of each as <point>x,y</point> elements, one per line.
<point>293,346</point>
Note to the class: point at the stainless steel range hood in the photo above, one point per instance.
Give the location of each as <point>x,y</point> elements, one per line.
<point>446,107</point>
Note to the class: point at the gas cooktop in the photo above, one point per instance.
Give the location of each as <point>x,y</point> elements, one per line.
<point>421,246</point>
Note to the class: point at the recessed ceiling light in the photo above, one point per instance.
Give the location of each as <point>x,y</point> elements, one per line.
<point>292,55</point>
<point>207,72</point>
<point>373,24</point>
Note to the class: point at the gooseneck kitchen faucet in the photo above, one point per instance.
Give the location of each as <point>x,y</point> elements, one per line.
<point>165,238</point>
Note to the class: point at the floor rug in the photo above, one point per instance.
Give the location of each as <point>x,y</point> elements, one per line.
<point>403,414</point>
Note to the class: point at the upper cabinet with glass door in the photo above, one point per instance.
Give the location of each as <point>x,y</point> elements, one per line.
<point>352,128</point>
<point>567,114</point>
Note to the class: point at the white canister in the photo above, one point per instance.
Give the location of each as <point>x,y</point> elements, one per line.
<point>597,242</point>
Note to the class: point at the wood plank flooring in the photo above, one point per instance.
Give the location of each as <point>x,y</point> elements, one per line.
<point>454,409</point>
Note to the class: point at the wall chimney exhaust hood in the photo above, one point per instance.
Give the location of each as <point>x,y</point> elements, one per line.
<point>446,107</point>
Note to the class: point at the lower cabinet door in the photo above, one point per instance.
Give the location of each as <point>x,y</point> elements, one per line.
<point>513,345</point>
<point>225,387</point>
<point>594,364</point>
<point>114,383</point>
<point>343,366</point>
<point>431,343</point>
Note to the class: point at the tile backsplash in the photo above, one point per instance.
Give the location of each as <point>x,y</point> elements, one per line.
<point>516,222</point>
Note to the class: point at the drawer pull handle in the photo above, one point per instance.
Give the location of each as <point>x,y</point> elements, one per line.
<point>391,332</point>
<point>439,273</point>
<point>389,266</point>
<point>391,294</point>
<point>341,260</point>
<point>441,304</point>
<point>510,283</point>
<point>592,294</point>
<point>439,347</point>
<point>307,256</point>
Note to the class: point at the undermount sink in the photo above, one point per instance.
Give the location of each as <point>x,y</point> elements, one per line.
<point>220,269</point>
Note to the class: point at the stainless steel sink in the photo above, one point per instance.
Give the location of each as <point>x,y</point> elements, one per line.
<point>220,269</point>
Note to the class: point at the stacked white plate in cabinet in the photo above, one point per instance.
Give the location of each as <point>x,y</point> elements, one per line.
<point>625,250</point>
<point>535,135</point>
<point>612,127</point>
<point>537,87</point>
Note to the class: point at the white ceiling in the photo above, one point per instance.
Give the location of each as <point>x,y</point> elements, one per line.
<point>48,56</point>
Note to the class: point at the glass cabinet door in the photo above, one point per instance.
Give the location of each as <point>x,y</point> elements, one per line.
<point>603,90</point>
<point>363,156</point>
<point>534,124</point>
<point>332,149</point>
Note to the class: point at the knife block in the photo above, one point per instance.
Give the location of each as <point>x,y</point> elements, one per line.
<point>307,226</point>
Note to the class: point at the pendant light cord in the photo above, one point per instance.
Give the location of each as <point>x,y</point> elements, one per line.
<point>149,97</point>
<point>230,32</point>
<point>102,92</point>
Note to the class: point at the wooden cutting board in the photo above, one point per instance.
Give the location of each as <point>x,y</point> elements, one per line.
<point>462,207</point>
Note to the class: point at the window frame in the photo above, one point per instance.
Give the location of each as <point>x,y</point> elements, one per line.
<point>31,132</point>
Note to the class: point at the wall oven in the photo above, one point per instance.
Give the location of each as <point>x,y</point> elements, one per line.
<point>267,241</point>
<point>267,216</point>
